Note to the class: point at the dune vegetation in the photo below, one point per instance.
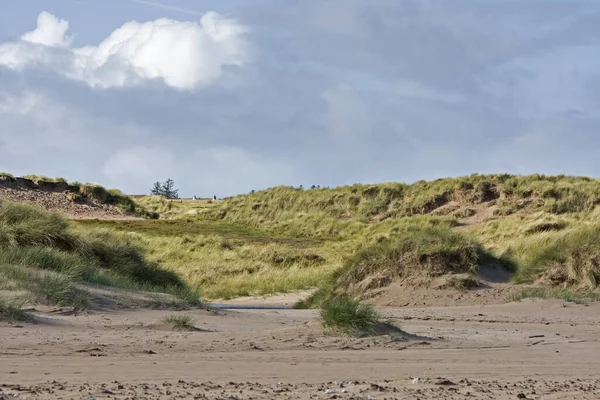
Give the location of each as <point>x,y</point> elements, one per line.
<point>348,240</point>
<point>350,317</point>
<point>225,259</point>
<point>47,260</point>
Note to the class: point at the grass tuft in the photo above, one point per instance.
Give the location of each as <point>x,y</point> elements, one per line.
<point>180,322</point>
<point>12,312</point>
<point>463,283</point>
<point>43,178</point>
<point>350,317</point>
<point>59,290</point>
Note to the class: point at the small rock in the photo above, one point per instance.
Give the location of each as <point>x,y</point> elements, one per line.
<point>377,387</point>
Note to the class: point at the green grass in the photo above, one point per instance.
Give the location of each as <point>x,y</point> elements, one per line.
<point>323,212</point>
<point>350,317</point>
<point>180,322</point>
<point>59,290</point>
<point>175,208</point>
<point>413,253</point>
<point>42,178</point>
<point>463,283</point>
<point>225,260</point>
<point>357,238</point>
<point>540,227</point>
<point>41,252</point>
<point>571,257</point>
<point>345,241</point>
<point>12,312</point>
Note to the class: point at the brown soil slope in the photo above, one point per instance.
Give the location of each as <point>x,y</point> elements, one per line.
<point>58,197</point>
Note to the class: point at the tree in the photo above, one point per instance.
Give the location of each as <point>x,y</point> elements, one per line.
<point>165,189</point>
<point>169,190</point>
<point>156,189</point>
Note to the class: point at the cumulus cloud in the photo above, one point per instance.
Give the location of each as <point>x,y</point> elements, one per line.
<point>183,54</point>
<point>293,93</point>
<point>50,31</point>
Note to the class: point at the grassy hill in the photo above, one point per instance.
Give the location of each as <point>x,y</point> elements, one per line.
<point>542,229</point>
<point>45,259</point>
<point>327,212</point>
<point>357,240</point>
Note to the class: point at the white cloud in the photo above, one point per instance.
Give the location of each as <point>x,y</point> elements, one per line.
<point>183,54</point>
<point>382,90</point>
<point>50,31</point>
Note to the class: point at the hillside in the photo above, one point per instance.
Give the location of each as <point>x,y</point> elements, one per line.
<point>473,231</point>
<point>74,200</point>
<point>468,200</point>
<point>469,240</point>
<point>44,259</point>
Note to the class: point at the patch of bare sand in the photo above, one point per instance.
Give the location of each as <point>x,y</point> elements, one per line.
<point>528,350</point>
<point>493,288</point>
<point>277,300</point>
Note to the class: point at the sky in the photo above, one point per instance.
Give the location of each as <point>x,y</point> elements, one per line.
<point>228,96</point>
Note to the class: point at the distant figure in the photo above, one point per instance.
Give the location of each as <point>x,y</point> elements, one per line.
<point>194,197</point>
<point>214,197</point>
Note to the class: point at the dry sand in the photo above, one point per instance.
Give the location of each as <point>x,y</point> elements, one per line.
<point>528,350</point>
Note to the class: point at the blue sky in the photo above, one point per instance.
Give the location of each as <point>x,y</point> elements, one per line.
<point>232,95</point>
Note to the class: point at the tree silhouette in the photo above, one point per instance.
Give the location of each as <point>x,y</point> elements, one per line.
<point>169,190</point>
<point>165,189</point>
<point>156,189</point>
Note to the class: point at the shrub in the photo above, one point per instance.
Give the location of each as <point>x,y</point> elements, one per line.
<point>75,197</point>
<point>463,283</point>
<point>95,192</point>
